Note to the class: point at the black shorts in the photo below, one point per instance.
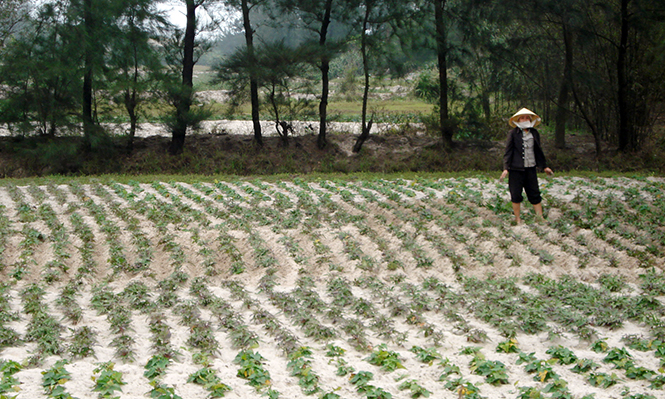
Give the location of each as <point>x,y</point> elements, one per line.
<point>526,179</point>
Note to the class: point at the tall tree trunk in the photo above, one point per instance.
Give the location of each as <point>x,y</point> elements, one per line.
<point>282,127</point>
<point>562,103</point>
<point>486,104</point>
<point>587,119</point>
<point>624,126</point>
<point>89,24</point>
<point>130,106</point>
<point>364,135</point>
<point>132,99</point>
<point>325,82</point>
<point>184,101</point>
<point>253,81</point>
<point>441,51</point>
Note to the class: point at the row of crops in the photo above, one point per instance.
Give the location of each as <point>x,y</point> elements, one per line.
<point>331,289</point>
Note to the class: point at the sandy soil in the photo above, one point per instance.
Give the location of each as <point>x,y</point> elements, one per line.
<point>185,225</point>
<point>238,127</point>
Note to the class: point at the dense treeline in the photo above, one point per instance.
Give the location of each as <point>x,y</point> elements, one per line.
<point>67,65</point>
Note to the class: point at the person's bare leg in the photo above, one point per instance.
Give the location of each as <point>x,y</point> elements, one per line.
<point>516,212</point>
<point>539,210</point>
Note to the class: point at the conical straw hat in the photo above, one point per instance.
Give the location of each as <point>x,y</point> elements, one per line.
<point>535,118</point>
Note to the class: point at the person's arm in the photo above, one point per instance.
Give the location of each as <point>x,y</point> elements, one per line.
<point>507,155</point>
<point>509,151</point>
<point>541,161</point>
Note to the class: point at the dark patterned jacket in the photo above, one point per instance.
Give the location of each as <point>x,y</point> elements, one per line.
<point>513,158</point>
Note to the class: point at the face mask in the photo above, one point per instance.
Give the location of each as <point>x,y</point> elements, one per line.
<point>524,124</point>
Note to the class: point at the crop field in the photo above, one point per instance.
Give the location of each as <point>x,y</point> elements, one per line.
<point>332,288</point>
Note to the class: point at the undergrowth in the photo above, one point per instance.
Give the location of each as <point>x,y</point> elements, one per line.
<point>398,151</point>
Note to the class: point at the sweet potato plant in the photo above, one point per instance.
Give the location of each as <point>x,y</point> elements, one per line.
<point>331,288</point>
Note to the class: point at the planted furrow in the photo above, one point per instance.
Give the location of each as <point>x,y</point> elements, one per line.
<point>251,362</point>
<point>413,224</point>
<point>300,315</point>
<point>42,329</point>
<point>87,248</point>
<point>59,238</point>
<point>413,313</point>
<point>331,288</point>
<point>5,232</point>
<point>353,241</point>
<point>9,337</point>
<point>117,254</point>
<point>119,318</point>
<point>142,245</point>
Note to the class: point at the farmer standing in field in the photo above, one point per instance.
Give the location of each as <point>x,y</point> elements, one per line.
<point>523,155</point>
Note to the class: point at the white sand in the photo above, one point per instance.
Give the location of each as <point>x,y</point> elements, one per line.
<point>287,275</point>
